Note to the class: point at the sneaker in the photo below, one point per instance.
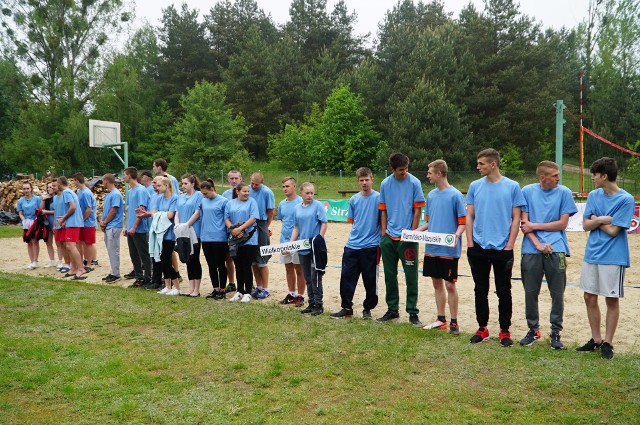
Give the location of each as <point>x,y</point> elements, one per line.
<point>164,290</point>
<point>112,279</point>
<point>64,269</point>
<point>454,329</point>
<point>51,263</point>
<point>212,296</point>
<point>299,301</point>
<point>149,286</point>
<point>505,339</point>
<point>439,325</point>
<point>136,284</point>
<point>342,314</point>
<point>309,309</point>
<point>531,337</point>
<point>556,344</point>
<point>106,277</point>
<point>389,315</point>
<point>130,275</point>
<point>366,314</point>
<point>606,351</point>
<point>32,265</point>
<point>414,320</point>
<point>58,267</point>
<point>230,288</point>
<point>256,292</point>
<point>236,297</point>
<point>88,269</point>
<point>318,310</point>
<point>289,299</point>
<point>481,335</point>
<point>262,294</point>
<point>173,292</point>
<point>221,295</point>
<point>246,298</point>
<point>591,345</point>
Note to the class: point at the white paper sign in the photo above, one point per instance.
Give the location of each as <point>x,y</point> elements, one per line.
<point>286,246</point>
<point>444,239</point>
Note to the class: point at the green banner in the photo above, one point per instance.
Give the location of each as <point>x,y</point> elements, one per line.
<point>337,209</point>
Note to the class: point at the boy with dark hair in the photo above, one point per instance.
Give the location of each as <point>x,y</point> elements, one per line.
<point>70,221</point>
<point>111,225</point>
<point>286,214</point>
<point>401,200</point>
<point>607,216</point>
<point>137,229</point>
<point>362,252</point>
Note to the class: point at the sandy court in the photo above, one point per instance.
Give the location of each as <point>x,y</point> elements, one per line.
<point>576,328</point>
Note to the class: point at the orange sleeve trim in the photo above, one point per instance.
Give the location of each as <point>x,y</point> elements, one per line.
<point>419,204</point>
<point>462,220</point>
<point>349,220</point>
<point>382,206</point>
<point>392,238</point>
<point>426,217</point>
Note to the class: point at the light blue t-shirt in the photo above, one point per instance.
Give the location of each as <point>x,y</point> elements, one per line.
<point>308,219</point>
<point>114,199</point>
<point>264,198</point>
<point>363,212</point>
<point>135,197</point>
<point>86,198</point>
<point>228,194</point>
<point>399,198</point>
<point>168,205</point>
<point>545,206</point>
<point>493,204</point>
<point>286,214</point>
<point>212,215</point>
<point>153,201</point>
<point>186,206</point>
<point>29,206</point>
<point>242,211</point>
<point>443,211</point>
<point>150,190</point>
<point>75,219</point>
<point>602,248</point>
<point>176,185</point>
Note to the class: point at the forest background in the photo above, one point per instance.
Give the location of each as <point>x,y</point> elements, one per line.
<point>218,89</point>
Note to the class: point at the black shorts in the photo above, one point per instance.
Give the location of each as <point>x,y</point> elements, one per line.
<point>441,268</point>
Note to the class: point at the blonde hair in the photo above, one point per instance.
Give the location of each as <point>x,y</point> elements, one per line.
<point>167,182</point>
<point>439,166</point>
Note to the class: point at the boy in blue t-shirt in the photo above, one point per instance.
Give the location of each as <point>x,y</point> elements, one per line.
<point>607,216</point>
<point>266,206</point>
<point>494,205</point>
<point>445,213</point>
<point>401,200</point>
<point>362,252</point>
<point>545,248</point>
<point>291,260</point>
<point>137,230</point>
<point>111,224</point>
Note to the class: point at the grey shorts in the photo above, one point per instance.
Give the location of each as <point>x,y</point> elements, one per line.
<point>602,279</point>
<point>290,258</point>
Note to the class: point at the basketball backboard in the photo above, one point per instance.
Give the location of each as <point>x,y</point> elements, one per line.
<point>104,133</point>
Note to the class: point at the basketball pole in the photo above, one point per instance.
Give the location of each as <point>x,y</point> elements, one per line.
<point>559,134</point>
<point>125,160</point>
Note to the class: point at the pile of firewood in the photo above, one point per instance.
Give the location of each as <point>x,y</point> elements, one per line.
<point>11,191</point>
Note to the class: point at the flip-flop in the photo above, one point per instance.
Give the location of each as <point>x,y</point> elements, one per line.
<point>193,296</point>
<point>76,277</point>
<point>68,275</point>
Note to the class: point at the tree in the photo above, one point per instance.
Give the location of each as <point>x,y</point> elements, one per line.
<point>208,137</point>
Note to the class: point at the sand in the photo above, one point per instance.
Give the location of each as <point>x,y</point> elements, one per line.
<point>576,327</point>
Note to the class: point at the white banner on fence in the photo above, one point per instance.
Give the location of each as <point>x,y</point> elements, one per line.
<point>445,239</point>
<point>286,246</point>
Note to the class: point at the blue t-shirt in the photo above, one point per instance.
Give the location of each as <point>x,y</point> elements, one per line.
<point>186,206</point>
<point>399,198</point>
<point>602,248</point>
<point>308,219</point>
<point>153,201</point>
<point>168,205</point>
<point>176,185</point>
<point>212,215</point>
<point>228,194</point>
<point>75,219</point>
<point>286,214</point>
<point>86,198</point>
<point>151,190</point>
<point>29,206</point>
<point>135,197</point>
<point>264,198</point>
<point>545,206</point>
<point>363,212</point>
<point>493,204</point>
<point>445,209</point>
<point>242,211</point>
<point>113,199</point>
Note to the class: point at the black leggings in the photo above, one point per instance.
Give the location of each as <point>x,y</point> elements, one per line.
<point>194,268</point>
<point>242,261</point>
<point>216,255</point>
<point>165,259</point>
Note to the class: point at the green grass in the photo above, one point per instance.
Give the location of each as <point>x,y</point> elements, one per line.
<point>86,354</point>
<point>10,231</point>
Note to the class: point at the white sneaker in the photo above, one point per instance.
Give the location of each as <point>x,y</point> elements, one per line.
<point>52,263</point>
<point>34,265</point>
<point>29,266</point>
<point>236,297</point>
<point>163,290</point>
<point>246,298</point>
<point>174,291</point>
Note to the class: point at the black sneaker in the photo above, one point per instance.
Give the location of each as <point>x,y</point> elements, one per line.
<point>136,284</point>
<point>591,345</point>
<point>149,286</point>
<point>531,337</point>
<point>107,277</point>
<point>289,299</point>
<point>366,314</point>
<point>343,314</point>
<point>212,296</point>
<point>414,320</point>
<point>318,310</point>
<point>230,288</point>
<point>112,279</point>
<point>310,308</point>
<point>130,275</point>
<point>389,315</point>
<point>606,351</point>
<point>556,344</point>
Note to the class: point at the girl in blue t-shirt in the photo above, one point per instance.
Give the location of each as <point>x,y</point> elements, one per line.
<point>166,203</point>
<point>26,209</point>
<point>213,234</point>
<point>241,219</point>
<point>188,211</point>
